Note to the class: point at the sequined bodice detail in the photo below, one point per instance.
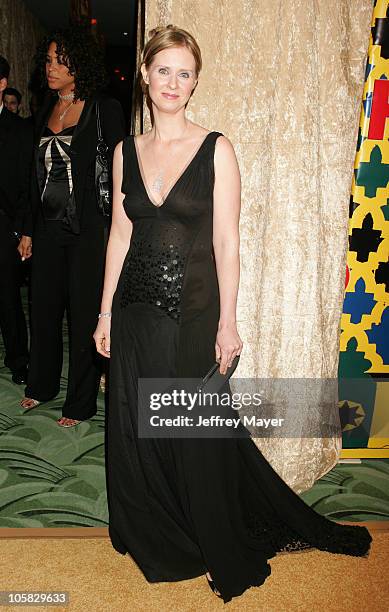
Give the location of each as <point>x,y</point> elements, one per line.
<point>154,274</point>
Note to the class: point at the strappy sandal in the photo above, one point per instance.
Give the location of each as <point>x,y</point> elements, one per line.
<point>30,399</point>
<point>75,422</point>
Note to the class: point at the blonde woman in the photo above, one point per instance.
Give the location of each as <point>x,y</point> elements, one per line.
<point>186,507</point>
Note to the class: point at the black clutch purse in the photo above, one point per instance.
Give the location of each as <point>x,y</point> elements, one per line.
<point>102,174</point>
<point>213,381</point>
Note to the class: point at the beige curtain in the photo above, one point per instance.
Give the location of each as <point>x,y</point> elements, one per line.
<point>283,80</point>
<point>20,34</point>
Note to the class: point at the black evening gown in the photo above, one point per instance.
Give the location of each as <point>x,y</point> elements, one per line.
<point>181,507</point>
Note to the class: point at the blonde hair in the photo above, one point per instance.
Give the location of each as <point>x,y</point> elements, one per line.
<point>170,36</point>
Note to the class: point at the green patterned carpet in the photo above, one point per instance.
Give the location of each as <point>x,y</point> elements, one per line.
<point>352,492</point>
<point>54,477</point>
<point>49,476</point>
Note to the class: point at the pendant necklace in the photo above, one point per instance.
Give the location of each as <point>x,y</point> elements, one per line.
<point>70,97</point>
<point>158,182</point>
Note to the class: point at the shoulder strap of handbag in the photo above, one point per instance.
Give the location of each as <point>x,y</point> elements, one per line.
<point>99,132</point>
<point>102,147</point>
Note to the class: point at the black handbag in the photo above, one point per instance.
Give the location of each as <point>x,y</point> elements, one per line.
<point>102,174</point>
<point>213,381</point>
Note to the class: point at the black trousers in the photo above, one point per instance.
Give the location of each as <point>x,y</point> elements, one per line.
<point>12,319</point>
<point>67,275</point>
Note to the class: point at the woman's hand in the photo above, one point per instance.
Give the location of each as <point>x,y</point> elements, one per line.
<point>25,247</point>
<point>102,336</point>
<point>228,345</point>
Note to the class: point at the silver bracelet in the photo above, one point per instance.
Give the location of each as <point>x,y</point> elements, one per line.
<point>104,314</point>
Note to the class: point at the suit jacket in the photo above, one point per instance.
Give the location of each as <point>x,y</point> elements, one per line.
<point>83,207</point>
<point>16,145</point>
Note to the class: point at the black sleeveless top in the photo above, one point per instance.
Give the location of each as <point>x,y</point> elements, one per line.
<point>55,172</point>
<point>170,263</point>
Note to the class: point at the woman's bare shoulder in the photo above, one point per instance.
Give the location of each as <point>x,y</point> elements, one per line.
<point>224,147</point>
<point>226,163</point>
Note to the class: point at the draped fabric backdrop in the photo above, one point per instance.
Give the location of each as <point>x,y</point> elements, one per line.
<point>283,80</point>
<point>20,33</point>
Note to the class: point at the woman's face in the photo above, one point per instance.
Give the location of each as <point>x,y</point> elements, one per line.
<point>171,78</point>
<point>57,74</point>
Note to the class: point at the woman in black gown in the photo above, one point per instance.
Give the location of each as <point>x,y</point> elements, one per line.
<point>186,507</point>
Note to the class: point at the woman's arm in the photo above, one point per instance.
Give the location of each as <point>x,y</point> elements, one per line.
<point>226,248</point>
<point>118,244</point>
<point>25,167</point>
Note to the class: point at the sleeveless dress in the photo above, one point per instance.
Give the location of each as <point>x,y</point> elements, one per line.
<point>181,507</point>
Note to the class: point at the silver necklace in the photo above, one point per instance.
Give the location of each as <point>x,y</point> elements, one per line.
<point>62,115</point>
<point>69,96</point>
<point>158,183</point>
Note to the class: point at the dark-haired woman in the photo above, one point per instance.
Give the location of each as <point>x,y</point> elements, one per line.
<point>69,229</point>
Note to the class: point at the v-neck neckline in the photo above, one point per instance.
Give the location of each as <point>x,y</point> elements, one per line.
<point>63,130</point>
<point>176,182</point>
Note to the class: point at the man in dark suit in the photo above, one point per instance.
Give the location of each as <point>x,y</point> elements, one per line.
<point>15,165</point>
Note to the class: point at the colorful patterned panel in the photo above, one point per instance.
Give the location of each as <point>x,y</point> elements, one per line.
<point>364,341</point>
